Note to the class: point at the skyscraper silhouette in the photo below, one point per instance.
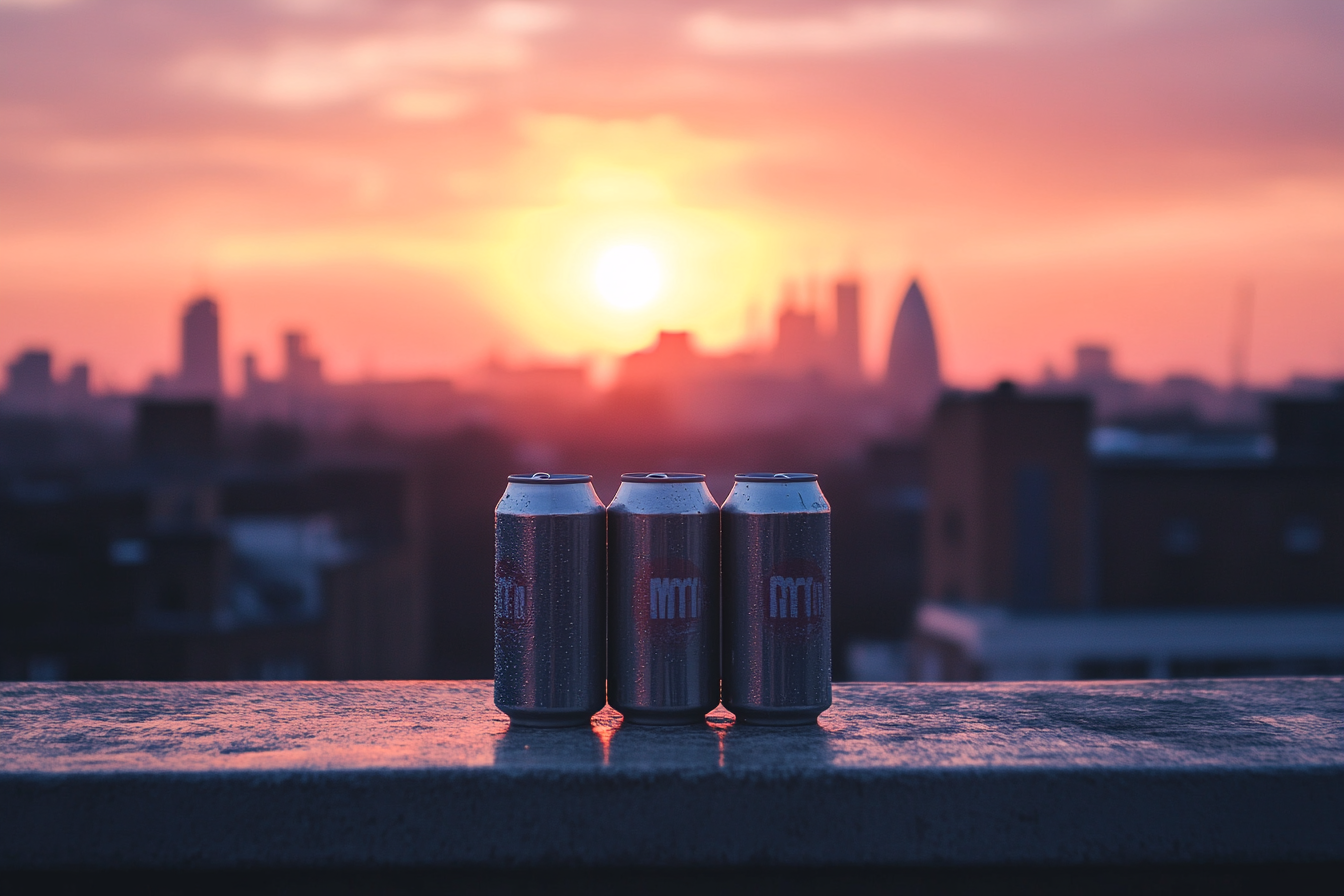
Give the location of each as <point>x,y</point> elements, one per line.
<point>799,346</point>
<point>303,371</point>
<point>31,386</point>
<point>200,375</point>
<point>846,347</point>
<point>913,376</point>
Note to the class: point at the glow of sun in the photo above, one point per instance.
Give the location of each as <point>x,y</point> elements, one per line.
<point>628,276</point>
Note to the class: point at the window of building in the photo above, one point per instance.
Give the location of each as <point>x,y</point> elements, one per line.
<point>1032,549</point>
<point>1181,537</point>
<point>1303,535</point>
<point>128,552</point>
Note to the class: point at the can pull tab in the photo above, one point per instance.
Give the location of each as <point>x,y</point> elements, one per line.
<point>657,476</point>
<point>541,475</point>
<point>781,476</point>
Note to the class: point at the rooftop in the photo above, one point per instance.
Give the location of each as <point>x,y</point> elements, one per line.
<point>412,775</point>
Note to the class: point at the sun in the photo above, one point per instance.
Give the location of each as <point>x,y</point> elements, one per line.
<point>628,276</point>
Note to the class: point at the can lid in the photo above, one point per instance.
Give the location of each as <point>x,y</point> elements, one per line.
<point>662,477</point>
<point>776,477</point>
<point>551,478</point>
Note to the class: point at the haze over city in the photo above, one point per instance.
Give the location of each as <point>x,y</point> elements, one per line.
<point>422,188</point>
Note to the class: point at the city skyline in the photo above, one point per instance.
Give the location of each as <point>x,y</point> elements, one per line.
<point>807,336</point>
<point>456,170</point>
<point>805,376</point>
<point>815,333</point>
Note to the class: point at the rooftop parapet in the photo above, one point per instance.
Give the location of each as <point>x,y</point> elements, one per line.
<point>413,775</point>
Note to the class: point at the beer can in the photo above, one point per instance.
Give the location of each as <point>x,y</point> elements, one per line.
<point>550,600</point>
<point>776,599</point>
<point>663,599</point>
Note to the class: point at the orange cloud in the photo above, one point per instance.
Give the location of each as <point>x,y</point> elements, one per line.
<point>1054,169</point>
<point>845,30</point>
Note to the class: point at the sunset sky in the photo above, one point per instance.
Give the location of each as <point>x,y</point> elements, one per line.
<point>423,185</point>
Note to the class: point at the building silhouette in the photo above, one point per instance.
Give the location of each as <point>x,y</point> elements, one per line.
<point>176,429</point>
<point>303,370</point>
<point>845,343</point>
<point>1046,558</point>
<point>299,395</point>
<point>1177,403</point>
<point>31,386</point>
<point>800,346</point>
<point>77,383</point>
<point>803,348</point>
<point>185,563</point>
<point>1007,511</point>
<point>1310,431</point>
<point>913,375</point>
<point>200,374</point>
<point>667,363</point>
<point>1092,364</point>
<point>33,389</point>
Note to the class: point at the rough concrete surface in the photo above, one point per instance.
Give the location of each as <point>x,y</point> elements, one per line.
<point>418,774</point>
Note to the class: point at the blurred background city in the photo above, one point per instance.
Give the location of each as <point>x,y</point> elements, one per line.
<point>1050,294</point>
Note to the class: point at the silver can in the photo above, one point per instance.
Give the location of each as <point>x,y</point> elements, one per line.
<point>776,599</point>
<point>663,599</point>
<point>550,600</point>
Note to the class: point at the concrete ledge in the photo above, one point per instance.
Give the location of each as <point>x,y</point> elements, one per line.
<point>420,775</point>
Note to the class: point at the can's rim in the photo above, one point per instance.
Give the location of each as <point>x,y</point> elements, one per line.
<point>550,478</point>
<point>775,477</point>
<point>658,478</point>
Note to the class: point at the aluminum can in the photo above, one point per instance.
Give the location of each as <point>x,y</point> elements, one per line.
<point>776,599</point>
<point>663,599</point>
<point>550,600</point>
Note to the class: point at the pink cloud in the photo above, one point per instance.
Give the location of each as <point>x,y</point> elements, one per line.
<point>1049,166</point>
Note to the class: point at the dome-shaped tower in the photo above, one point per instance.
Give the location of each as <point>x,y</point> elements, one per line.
<point>913,376</point>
